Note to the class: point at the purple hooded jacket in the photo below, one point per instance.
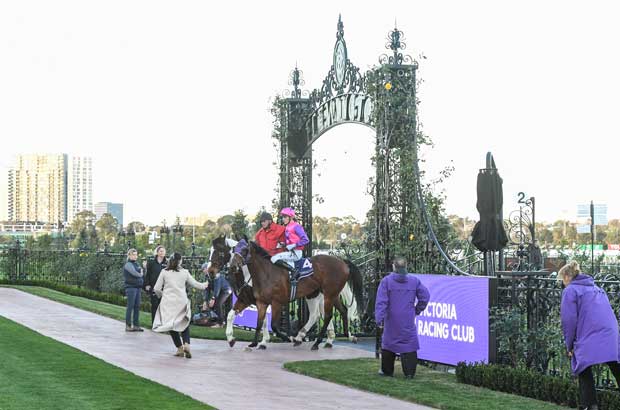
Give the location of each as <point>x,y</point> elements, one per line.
<point>396,309</point>
<point>589,324</point>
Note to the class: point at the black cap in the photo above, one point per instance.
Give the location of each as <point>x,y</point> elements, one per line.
<point>266,216</point>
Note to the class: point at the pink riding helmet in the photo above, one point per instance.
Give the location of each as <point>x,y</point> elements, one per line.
<point>288,212</point>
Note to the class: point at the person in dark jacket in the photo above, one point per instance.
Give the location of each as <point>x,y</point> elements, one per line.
<point>217,295</point>
<point>153,269</point>
<point>395,311</point>
<point>134,280</point>
<point>590,330</point>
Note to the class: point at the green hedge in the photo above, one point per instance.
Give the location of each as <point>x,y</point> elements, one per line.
<point>113,298</point>
<point>529,383</point>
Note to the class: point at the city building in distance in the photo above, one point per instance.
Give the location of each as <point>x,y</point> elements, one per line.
<point>79,186</point>
<point>37,189</point>
<point>116,210</point>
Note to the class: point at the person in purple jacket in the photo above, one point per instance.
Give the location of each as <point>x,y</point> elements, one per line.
<point>395,311</point>
<point>590,330</point>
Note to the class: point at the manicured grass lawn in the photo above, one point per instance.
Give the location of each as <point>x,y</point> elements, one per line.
<point>37,372</point>
<point>118,313</point>
<point>432,388</point>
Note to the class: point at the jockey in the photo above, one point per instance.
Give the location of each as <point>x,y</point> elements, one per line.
<point>270,235</point>
<point>296,239</point>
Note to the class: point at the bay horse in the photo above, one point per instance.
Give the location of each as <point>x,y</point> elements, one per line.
<point>221,252</point>
<point>270,285</point>
<point>220,255</point>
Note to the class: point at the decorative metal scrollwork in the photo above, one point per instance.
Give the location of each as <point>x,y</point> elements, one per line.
<point>296,80</point>
<point>396,44</point>
<point>343,76</point>
<point>519,225</point>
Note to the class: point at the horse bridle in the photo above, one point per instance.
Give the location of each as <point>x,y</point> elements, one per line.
<point>244,268</point>
<point>222,256</point>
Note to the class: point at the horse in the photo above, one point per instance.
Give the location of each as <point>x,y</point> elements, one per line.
<point>220,255</point>
<point>270,284</point>
<point>218,259</point>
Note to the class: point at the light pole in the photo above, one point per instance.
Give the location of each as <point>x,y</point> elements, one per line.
<point>176,229</point>
<point>164,230</point>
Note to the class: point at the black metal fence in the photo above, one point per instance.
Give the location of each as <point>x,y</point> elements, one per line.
<point>526,320</point>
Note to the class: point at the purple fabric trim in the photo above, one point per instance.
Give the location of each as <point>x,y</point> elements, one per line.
<point>303,238</point>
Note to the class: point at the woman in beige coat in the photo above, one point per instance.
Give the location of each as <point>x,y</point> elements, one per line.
<point>174,311</point>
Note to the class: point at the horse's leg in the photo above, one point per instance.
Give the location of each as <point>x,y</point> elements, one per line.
<point>263,344</point>
<point>239,306</point>
<point>331,332</point>
<point>262,309</point>
<point>328,317</point>
<point>276,314</point>
<point>351,305</point>
<point>343,313</point>
<point>229,327</point>
<point>313,310</point>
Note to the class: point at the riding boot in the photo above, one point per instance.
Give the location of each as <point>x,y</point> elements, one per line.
<point>283,264</point>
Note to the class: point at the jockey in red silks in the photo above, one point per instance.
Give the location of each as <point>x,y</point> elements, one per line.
<point>296,239</point>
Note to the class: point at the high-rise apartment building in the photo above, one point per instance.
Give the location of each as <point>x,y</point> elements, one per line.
<point>79,186</point>
<point>37,189</point>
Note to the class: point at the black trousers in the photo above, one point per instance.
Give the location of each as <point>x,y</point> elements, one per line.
<point>154,305</point>
<point>176,337</point>
<point>409,362</point>
<point>587,390</point>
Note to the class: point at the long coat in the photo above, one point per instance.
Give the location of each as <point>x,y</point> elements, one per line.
<point>396,308</point>
<point>174,311</point>
<point>589,324</point>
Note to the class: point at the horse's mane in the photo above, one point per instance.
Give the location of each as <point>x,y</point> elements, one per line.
<point>260,251</point>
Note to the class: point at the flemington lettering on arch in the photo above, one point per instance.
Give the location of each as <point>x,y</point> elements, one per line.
<point>343,108</point>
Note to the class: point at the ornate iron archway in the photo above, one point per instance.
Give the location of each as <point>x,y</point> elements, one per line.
<point>383,98</point>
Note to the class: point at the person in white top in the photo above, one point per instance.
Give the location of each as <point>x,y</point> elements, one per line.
<point>174,312</point>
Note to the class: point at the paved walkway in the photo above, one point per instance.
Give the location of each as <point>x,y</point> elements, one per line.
<point>222,377</point>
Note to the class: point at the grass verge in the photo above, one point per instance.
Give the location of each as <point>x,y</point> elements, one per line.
<point>41,373</point>
<point>431,388</point>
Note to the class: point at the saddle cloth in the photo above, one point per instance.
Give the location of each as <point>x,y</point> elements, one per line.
<point>304,267</point>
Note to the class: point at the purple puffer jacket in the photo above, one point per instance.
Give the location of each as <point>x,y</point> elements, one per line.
<point>589,324</point>
<point>400,298</point>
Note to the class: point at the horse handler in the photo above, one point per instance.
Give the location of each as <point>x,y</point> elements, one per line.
<point>396,312</point>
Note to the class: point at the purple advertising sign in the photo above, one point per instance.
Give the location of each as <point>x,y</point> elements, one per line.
<point>454,327</point>
<point>249,316</point>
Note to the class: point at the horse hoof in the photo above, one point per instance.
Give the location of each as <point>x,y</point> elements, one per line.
<point>232,342</point>
<point>354,340</point>
<point>314,347</point>
<point>328,346</point>
<point>296,343</point>
<point>262,347</point>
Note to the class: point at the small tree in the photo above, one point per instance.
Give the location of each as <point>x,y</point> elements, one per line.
<point>240,224</point>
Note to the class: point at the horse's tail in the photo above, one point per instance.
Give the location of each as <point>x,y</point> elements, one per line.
<point>356,283</point>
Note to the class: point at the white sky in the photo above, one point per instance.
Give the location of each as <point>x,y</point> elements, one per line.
<point>166,95</point>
